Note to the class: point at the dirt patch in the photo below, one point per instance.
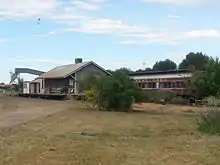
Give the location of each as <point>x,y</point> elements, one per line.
<point>15,110</point>
<point>169,107</point>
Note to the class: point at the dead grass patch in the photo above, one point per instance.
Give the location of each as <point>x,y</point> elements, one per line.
<point>82,137</point>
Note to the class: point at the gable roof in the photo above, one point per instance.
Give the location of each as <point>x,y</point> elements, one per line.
<point>66,70</point>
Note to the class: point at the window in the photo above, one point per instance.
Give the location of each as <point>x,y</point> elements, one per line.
<point>150,85</point>
<point>71,82</point>
<point>154,85</point>
<point>173,84</point>
<point>178,84</point>
<point>169,85</point>
<point>25,85</point>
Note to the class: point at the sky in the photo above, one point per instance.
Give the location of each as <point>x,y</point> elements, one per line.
<point>112,33</point>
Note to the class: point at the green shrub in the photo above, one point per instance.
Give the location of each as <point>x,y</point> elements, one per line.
<point>209,121</point>
<point>64,90</point>
<point>160,96</point>
<point>116,92</point>
<point>213,101</point>
<point>144,96</point>
<point>91,95</point>
<point>178,100</point>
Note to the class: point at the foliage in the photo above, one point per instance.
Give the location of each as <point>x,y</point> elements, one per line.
<point>144,70</point>
<point>161,96</point>
<point>178,100</point>
<point>109,71</point>
<point>191,85</point>
<point>213,101</point>
<point>195,61</point>
<point>209,121</point>
<point>124,70</point>
<point>207,82</point>
<point>91,96</point>
<point>114,93</point>
<point>164,65</point>
<point>64,90</point>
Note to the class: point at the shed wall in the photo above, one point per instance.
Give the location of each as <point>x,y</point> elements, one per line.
<point>85,72</point>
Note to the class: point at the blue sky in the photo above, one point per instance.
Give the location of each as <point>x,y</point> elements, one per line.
<point>113,33</point>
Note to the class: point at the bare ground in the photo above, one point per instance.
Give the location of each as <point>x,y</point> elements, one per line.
<point>78,136</point>
<point>15,110</point>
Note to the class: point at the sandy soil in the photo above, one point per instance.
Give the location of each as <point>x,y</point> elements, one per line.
<point>16,110</point>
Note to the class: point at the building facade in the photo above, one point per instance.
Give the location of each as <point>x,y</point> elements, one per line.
<point>65,79</point>
<point>162,80</point>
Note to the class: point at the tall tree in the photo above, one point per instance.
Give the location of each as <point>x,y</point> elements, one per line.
<point>144,70</point>
<point>124,70</point>
<point>164,65</point>
<point>194,61</point>
<point>208,82</point>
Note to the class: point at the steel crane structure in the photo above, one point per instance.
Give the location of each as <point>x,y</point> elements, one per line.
<point>18,71</point>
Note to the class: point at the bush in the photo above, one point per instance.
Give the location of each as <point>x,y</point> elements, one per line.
<point>64,90</point>
<point>117,92</point>
<point>209,121</point>
<point>91,95</point>
<point>213,101</point>
<point>178,100</point>
<point>161,96</point>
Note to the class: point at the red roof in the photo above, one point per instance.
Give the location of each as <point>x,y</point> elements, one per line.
<point>4,85</point>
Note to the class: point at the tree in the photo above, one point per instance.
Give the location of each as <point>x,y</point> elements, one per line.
<point>206,82</point>
<point>164,65</point>
<point>144,70</point>
<point>109,71</point>
<point>116,92</point>
<point>194,61</point>
<point>124,70</point>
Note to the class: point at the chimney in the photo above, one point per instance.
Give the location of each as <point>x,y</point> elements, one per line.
<point>78,60</point>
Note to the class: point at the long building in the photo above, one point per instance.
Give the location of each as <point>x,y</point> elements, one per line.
<point>156,80</point>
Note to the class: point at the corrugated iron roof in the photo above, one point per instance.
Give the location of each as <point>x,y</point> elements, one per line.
<point>65,70</point>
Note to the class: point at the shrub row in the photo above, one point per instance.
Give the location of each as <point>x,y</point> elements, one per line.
<point>163,96</point>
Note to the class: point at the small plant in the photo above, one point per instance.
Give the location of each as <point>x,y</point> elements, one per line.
<point>64,90</point>
<point>213,101</point>
<point>161,96</point>
<point>178,101</point>
<point>91,96</point>
<point>209,121</point>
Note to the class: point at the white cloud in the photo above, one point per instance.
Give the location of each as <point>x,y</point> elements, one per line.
<point>178,2</point>
<point>106,26</point>
<point>204,33</point>
<point>88,4</point>
<point>27,8</point>
<point>3,39</point>
<point>32,9</point>
<point>147,42</point>
<point>173,16</point>
<point>67,12</point>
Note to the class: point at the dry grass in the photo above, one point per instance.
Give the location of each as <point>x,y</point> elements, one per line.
<point>84,137</point>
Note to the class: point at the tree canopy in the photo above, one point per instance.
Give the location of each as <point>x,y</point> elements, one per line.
<point>124,70</point>
<point>207,82</point>
<point>116,92</point>
<point>164,65</point>
<point>194,61</point>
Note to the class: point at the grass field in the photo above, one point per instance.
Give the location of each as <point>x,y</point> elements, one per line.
<point>160,135</point>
